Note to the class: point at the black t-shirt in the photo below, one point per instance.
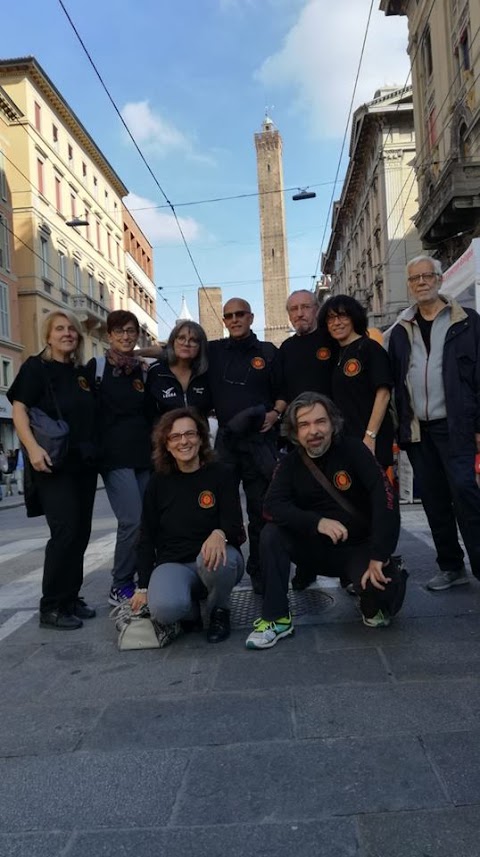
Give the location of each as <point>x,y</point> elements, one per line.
<point>122,422</point>
<point>306,364</point>
<point>242,373</point>
<point>74,396</point>
<point>180,510</point>
<point>362,367</point>
<point>425,325</point>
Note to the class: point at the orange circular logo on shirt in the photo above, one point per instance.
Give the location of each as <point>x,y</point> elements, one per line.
<point>206,500</point>
<point>352,367</point>
<point>258,363</point>
<point>138,385</point>
<point>323,354</point>
<point>83,384</point>
<point>342,480</point>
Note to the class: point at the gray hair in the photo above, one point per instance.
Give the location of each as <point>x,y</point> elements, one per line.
<point>47,324</point>
<point>308,400</point>
<point>303,292</point>
<point>200,362</point>
<point>436,264</point>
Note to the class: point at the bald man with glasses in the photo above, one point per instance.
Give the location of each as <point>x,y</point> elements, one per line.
<point>435,353</point>
<point>245,384</point>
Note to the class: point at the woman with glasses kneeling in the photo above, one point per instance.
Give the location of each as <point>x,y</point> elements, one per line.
<point>190,533</point>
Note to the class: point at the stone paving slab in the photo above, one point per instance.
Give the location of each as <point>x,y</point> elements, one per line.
<point>441,833</point>
<point>89,790</point>
<point>333,838</point>
<point>34,730</point>
<point>306,780</point>
<point>457,759</point>
<point>199,721</point>
<point>437,660</point>
<point>34,845</point>
<point>292,667</point>
<point>385,710</point>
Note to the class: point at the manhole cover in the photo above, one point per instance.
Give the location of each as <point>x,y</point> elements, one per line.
<point>245,606</point>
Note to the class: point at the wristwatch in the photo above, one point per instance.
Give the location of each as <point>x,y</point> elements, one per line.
<point>372,434</point>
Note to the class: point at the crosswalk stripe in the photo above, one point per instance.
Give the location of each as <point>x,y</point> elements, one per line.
<point>15,622</point>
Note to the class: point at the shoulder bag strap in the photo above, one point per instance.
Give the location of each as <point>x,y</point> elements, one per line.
<point>330,489</point>
<point>52,391</point>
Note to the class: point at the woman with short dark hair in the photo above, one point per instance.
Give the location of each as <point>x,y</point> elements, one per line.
<point>191,531</point>
<point>123,424</point>
<point>362,378</point>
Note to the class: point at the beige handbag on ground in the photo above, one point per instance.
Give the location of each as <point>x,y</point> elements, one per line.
<point>136,630</point>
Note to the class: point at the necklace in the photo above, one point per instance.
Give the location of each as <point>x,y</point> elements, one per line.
<point>343,351</point>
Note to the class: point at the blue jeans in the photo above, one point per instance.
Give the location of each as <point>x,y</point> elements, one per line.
<point>450,494</point>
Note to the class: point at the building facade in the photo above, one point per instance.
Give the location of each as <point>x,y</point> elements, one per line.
<point>372,234</point>
<point>57,175</point>
<point>273,236</point>
<point>10,337</point>
<point>141,292</point>
<point>210,311</point>
<point>444,49</point>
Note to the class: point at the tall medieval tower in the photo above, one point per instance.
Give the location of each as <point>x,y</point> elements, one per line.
<point>273,236</point>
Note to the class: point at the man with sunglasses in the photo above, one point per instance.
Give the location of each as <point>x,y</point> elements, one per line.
<point>435,354</point>
<point>245,385</point>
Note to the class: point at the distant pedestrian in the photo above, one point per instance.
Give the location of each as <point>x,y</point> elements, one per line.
<point>435,354</point>
<point>19,473</point>
<point>11,464</point>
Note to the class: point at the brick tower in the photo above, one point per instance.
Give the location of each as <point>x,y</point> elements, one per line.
<point>273,236</point>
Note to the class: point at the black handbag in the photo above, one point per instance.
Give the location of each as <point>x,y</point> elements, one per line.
<point>52,435</point>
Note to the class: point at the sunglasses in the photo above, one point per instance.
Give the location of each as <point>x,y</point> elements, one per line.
<point>240,313</point>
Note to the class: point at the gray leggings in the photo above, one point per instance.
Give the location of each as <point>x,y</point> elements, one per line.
<point>175,588</point>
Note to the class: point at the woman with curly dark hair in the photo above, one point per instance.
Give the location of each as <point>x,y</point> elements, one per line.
<point>191,531</point>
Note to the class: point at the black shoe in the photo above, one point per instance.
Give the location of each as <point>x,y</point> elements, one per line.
<point>81,610</point>
<point>303,578</point>
<point>219,628</point>
<point>191,625</point>
<point>60,620</point>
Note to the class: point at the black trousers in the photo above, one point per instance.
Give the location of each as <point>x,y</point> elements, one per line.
<point>449,494</point>
<point>279,547</point>
<point>67,500</point>
<point>255,484</point>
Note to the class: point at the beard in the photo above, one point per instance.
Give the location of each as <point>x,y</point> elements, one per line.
<point>319,449</point>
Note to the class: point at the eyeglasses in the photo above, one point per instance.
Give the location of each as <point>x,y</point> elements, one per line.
<point>177,436</point>
<point>190,342</point>
<point>124,331</point>
<point>337,316</point>
<point>240,313</point>
<point>427,278</point>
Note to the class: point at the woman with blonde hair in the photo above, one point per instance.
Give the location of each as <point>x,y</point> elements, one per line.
<point>54,381</point>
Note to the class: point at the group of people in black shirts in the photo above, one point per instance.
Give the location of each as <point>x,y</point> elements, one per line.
<point>327,505</point>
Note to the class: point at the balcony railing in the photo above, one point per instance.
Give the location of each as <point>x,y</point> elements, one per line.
<point>92,310</point>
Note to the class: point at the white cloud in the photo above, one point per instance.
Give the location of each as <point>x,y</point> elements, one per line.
<point>157,134</point>
<point>319,59</point>
<point>159,226</point>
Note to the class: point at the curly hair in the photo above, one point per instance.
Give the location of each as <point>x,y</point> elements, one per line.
<point>163,461</point>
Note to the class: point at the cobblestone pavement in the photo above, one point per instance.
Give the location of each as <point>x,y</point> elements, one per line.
<point>340,741</point>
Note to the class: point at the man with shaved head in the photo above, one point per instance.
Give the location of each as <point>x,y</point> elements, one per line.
<point>245,384</point>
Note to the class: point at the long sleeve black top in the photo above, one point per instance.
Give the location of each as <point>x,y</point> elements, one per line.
<point>180,510</point>
<point>297,501</point>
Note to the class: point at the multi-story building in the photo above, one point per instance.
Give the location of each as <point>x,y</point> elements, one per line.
<point>210,311</point>
<point>372,231</point>
<point>141,292</point>
<point>444,49</point>
<point>10,338</point>
<point>273,236</point>
<point>57,174</point>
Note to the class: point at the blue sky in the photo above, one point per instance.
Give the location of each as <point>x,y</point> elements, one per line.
<point>192,79</point>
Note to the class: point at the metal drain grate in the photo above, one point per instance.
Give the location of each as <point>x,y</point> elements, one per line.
<point>245,606</point>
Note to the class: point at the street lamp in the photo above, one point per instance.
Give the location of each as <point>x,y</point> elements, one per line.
<point>303,193</point>
<point>76,221</point>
